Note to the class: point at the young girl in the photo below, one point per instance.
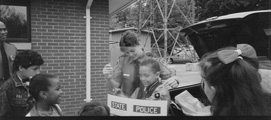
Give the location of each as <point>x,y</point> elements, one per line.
<point>151,85</point>
<point>231,81</point>
<point>46,90</point>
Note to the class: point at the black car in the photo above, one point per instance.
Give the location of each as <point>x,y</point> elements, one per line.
<point>253,27</point>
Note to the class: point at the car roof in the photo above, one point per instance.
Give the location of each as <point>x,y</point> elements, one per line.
<point>234,17</point>
<point>252,27</point>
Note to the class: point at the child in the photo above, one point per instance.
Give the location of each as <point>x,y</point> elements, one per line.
<point>46,90</point>
<point>94,108</point>
<point>14,95</point>
<point>149,71</point>
<point>231,82</point>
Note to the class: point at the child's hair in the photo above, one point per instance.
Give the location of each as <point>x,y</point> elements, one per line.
<point>26,59</point>
<point>152,63</point>
<point>39,82</point>
<point>94,108</point>
<point>129,39</point>
<point>237,85</point>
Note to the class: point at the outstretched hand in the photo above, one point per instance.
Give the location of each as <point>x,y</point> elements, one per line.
<point>108,70</point>
<point>171,82</point>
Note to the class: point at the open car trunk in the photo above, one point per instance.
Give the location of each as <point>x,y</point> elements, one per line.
<point>252,28</point>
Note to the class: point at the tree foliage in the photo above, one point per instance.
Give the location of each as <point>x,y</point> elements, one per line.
<point>210,8</point>
<point>152,18</point>
<point>184,13</point>
<point>14,21</point>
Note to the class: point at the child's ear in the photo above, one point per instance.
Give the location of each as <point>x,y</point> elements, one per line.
<point>21,68</point>
<point>42,95</point>
<point>158,74</point>
<point>213,89</point>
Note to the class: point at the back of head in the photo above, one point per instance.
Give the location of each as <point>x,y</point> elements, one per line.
<point>26,59</point>
<point>129,39</point>
<point>152,63</point>
<point>237,84</point>
<point>2,24</point>
<point>39,82</point>
<point>94,108</point>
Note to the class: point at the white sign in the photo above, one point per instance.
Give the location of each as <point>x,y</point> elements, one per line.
<point>135,107</point>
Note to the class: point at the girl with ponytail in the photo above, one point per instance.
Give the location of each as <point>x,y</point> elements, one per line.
<point>231,82</point>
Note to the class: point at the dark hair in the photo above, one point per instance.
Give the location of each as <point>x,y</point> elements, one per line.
<point>39,82</point>
<point>26,59</point>
<point>237,84</point>
<point>129,39</point>
<point>94,108</point>
<point>152,63</point>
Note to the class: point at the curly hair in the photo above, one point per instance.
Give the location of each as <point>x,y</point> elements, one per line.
<point>26,59</point>
<point>129,39</point>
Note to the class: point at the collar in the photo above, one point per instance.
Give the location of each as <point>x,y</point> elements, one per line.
<point>17,80</point>
<point>152,86</point>
<point>143,57</point>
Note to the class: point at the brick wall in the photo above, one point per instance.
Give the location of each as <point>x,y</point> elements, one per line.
<point>58,33</point>
<point>99,48</point>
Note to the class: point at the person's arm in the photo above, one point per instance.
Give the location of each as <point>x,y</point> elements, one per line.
<point>4,104</point>
<point>168,77</point>
<point>114,75</point>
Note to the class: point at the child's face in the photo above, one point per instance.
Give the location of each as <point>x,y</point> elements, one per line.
<point>54,91</point>
<point>29,72</point>
<point>208,90</point>
<point>147,76</point>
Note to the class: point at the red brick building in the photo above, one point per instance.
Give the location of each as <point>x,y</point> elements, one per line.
<point>72,36</point>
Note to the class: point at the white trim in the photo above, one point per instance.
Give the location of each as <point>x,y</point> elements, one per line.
<point>22,46</point>
<point>88,52</point>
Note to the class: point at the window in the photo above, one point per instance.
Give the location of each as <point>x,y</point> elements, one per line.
<point>16,16</point>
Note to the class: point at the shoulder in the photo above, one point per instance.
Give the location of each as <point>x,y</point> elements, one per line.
<point>32,112</point>
<point>57,107</point>
<point>160,87</point>
<point>7,85</point>
<point>9,45</point>
<point>124,59</point>
<point>28,115</point>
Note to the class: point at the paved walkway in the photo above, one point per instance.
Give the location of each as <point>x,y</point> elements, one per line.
<point>186,77</point>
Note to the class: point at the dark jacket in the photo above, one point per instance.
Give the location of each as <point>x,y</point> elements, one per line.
<point>11,51</point>
<point>15,99</point>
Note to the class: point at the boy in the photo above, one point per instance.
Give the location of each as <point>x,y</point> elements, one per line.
<point>14,95</point>
<point>149,72</point>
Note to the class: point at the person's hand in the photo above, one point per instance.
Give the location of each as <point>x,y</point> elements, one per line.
<point>108,70</point>
<point>118,92</point>
<point>171,82</point>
